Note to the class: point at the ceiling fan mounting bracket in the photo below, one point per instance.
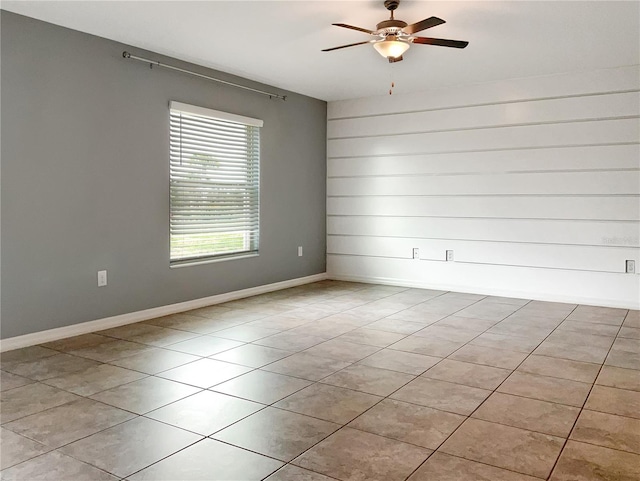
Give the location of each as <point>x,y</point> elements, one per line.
<point>391,5</point>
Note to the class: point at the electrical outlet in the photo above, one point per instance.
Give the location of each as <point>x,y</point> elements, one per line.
<point>102,278</point>
<point>630,267</point>
<point>416,253</point>
<point>449,255</point>
<point>299,251</point>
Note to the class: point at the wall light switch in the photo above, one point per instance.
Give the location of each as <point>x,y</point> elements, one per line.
<point>449,255</point>
<point>416,253</point>
<point>102,278</point>
<point>299,251</point>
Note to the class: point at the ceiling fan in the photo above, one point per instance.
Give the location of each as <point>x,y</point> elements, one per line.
<point>394,37</point>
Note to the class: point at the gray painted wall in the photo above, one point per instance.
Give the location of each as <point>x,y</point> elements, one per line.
<point>85,180</point>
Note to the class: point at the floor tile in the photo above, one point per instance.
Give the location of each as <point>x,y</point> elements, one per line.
<point>95,379</point>
<point>342,350</point>
<point>619,377</point>
<point>469,374</point>
<point>252,355</point>
<point>506,447</point>
<point>489,356</point>
<point>445,396</point>
<point>204,373</point>
<point>148,334</point>
<point>246,334</point>
<point>330,403</point>
<point>210,460</point>
<point>26,354</point>
<point>109,351</point>
<point>262,386</point>
<point>581,339</point>
<point>145,395</point>
<point>51,366</point>
<point>564,350</point>
<point>276,433</point>
<point>371,337</point>
<point>205,412</point>
<point>67,423</point>
<point>128,447</point>
<point>290,342</point>
<point>426,346</point>
<point>17,449</point>
<point>154,361</point>
<point>30,399</point>
<point>352,455</point>
<point>608,430</point>
<point>588,328</point>
<point>505,341</point>
<point>55,466</point>
<point>629,333</point>
<point>445,333</point>
<point>585,462</point>
<point>306,366</point>
<point>396,325</point>
<point>546,388</point>
<point>192,323</point>
<point>294,473</point>
<point>400,361</point>
<point>372,380</point>
<point>324,328</point>
<point>279,322</point>
<point>442,467</point>
<point>11,381</point>
<point>561,368</point>
<point>470,324</point>
<point>519,329</point>
<point>532,414</point>
<point>205,345</point>
<point>412,424</point>
<point>625,353</point>
<point>77,342</point>
<point>614,401</point>
<point>598,315</point>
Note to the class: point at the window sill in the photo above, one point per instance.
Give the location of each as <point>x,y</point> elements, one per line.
<point>211,261</point>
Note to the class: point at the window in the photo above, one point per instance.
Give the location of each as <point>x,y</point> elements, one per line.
<point>215,184</point>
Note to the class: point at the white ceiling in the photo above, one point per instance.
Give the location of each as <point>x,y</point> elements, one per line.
<point>279,42</point>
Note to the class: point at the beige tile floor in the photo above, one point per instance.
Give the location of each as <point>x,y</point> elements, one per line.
<point>333,381</point>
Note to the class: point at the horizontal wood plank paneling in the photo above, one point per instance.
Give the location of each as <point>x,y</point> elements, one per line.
<point>576,232</point>
<point>602,157</point>
<point>616,182</point>
<point>536,178</point>
<point>591,258</point>
<point>593,288</point>
<point>498,138</point>
<point>523,207</point>
<point>604,106</point>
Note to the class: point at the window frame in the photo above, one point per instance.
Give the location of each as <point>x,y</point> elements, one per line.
<point>253,164</point>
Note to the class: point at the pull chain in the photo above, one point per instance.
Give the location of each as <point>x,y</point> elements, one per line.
<point>393,84</point>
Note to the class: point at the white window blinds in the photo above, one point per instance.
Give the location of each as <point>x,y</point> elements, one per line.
<point>215,183</point>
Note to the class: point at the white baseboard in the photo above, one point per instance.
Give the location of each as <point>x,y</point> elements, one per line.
<point>549,297</point>
<point>129,318</point>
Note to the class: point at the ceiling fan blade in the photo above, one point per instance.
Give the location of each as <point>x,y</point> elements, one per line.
<point>442,42</point>
<point>345,46</point>
<point>359,29</point>
<point>423,25</point>
<point>395,59</point>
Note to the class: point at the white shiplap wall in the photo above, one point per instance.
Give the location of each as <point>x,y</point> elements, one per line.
<point>533,183</point>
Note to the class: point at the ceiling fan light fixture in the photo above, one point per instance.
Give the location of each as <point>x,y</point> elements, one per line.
<point>391,47</point>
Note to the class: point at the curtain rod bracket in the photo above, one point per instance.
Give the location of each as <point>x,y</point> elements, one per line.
<point>151,63</point>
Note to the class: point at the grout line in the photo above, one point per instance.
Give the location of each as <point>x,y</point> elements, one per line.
<point>585,400</point>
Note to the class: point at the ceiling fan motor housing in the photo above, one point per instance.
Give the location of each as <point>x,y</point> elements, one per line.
<point>390,26</point>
